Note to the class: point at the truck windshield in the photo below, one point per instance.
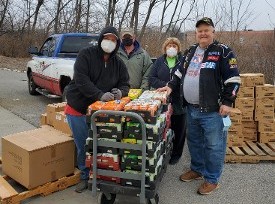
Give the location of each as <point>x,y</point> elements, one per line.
<point>72,44</point>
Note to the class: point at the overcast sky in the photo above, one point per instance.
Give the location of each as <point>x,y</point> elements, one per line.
<point>262,18</point>
<point>265,15</point>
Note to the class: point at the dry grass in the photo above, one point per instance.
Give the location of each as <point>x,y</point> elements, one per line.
<point>13,63</point>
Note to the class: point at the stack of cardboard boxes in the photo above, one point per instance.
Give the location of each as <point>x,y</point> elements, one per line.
<point>256,103</point>
<point>42,155</point>
<point>56,118</point>
<point>264,112</point>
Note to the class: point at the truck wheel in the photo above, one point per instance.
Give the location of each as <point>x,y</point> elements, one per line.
<point>102,199</point>
<point>32,86</point>
<point>64,98</point>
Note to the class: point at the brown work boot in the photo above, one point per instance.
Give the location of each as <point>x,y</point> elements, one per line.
<point>207,188</point>
<point>190,176</point>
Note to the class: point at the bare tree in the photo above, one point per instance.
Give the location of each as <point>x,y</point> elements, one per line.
<point>122,18</point>
<point>149,11</point>
<point>4,7</point>
<point>56,19</point>
<point>87,16</point>
<point>39,4</point>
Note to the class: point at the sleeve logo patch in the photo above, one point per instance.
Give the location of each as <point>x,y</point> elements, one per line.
<point>233,61</point>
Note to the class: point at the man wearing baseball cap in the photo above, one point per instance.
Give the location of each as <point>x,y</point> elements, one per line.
<point>209,81</point>
<point>136,59</point>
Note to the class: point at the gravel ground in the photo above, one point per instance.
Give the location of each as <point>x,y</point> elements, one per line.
<point>17,64</point>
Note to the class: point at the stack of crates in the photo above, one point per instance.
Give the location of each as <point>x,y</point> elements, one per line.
<point>128,130</point>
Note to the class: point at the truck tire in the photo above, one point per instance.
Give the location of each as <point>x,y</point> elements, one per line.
<point>31,85</point>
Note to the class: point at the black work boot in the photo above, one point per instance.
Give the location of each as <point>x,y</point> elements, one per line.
<point>81,186</point>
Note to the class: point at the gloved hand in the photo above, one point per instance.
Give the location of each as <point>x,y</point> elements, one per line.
<point>117,93</point>
<point>108,96</point>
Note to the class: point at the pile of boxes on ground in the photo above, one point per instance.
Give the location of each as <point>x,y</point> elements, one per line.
<point>256,101</point>
<point>35,157</point>
<point>127,130</point>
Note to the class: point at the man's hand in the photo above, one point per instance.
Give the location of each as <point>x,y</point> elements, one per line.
<point>165,88</point>
<point>108,96</point>
<point>117,93</point>
<point>225,110</point>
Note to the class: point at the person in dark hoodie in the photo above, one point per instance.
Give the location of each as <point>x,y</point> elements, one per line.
<point>161,73</point>
<point>98,75</point>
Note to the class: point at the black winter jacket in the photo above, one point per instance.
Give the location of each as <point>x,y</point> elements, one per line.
<point>93,76</point>
<point>219,77</point>
<point>160,74</point>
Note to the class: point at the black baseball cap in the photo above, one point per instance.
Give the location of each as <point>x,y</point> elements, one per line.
<point>205,20</point>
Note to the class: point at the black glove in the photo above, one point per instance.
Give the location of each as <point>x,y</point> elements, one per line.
<point>117,93</point>
<point>108,96</point>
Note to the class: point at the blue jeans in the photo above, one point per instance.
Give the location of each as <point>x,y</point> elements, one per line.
<point>79,129</point>
<point>206,142</point>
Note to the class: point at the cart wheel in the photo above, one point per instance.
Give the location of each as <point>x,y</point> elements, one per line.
<point>154,200</point>
<point>102,199</point>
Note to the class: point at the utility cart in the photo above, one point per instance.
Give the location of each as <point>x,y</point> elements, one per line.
<point>142,186</point>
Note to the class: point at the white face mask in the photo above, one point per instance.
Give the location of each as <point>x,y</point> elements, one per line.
<point>171,52</point>
<point>108,46</point>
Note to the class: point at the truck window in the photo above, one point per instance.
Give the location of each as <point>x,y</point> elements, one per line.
<point>48,48</point>
<point>72,44</point>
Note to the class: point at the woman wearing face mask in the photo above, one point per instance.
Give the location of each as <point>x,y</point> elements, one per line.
<point>162,71</point>
<point>98,75</point>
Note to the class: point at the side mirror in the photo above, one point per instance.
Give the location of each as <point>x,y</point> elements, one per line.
<point>33,50</point>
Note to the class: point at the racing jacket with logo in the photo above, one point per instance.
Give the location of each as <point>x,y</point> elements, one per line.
<point>219,77</point>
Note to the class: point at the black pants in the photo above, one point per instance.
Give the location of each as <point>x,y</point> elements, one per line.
<point>178,125</point>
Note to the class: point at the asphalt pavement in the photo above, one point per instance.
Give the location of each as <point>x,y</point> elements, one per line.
<point>240,183</point>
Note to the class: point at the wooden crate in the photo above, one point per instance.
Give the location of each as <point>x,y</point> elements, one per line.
<point>251,152</point>
<point>9,195</point>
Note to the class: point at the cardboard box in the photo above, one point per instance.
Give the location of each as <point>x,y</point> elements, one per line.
<point>43,119</point>
<point>38,156</point>
<point>265,102</point>
<point>244,104</point>
<point>236,127</point>
<point>61,123</point>
<point>266,126</point>
<point>248,115</point>
<point>265,137</point>
<point>266,90</point>
<point>52,109</point>
<point>235,139</point>
<point>264,114</point>
<point>252,79</point>
<point>246,92</point>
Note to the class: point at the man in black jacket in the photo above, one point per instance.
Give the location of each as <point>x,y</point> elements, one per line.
<point>209,81</point>
<point>98,75</point>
